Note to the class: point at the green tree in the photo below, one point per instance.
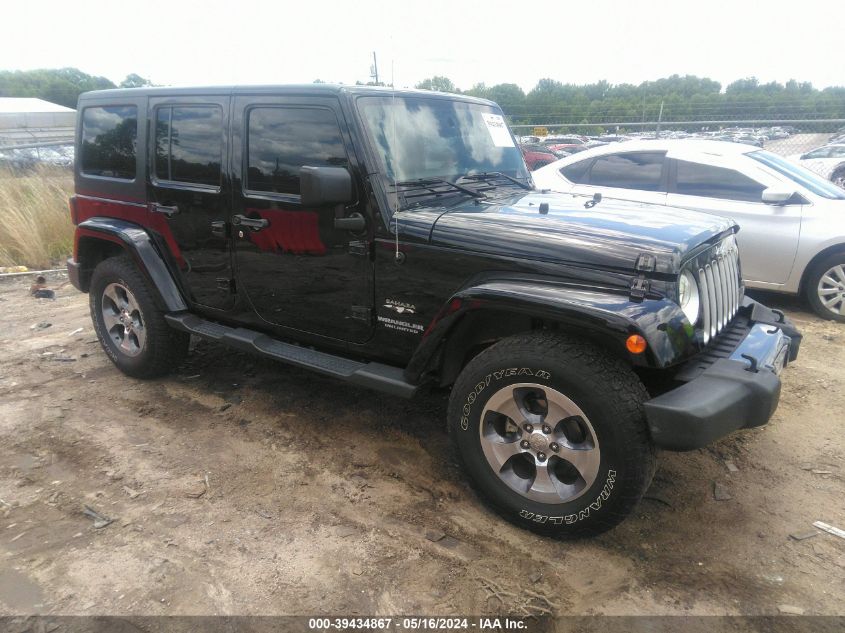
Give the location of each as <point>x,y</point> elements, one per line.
<point>438,83</point>
<point>135,81</point>
<point>62,85</point>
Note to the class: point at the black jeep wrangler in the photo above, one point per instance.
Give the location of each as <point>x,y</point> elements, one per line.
<point>393,239</point>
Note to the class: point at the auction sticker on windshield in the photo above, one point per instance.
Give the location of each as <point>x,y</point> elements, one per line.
<point>498,130</point>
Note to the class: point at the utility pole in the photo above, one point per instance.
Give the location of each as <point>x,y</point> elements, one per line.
<point>659,119</point>
<point>374,69</point>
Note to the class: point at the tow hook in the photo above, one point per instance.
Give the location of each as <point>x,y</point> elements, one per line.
<point>754,362</point>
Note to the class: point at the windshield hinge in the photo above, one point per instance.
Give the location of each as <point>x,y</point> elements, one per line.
<point>639,288</point>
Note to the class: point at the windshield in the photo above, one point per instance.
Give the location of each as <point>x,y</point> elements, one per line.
<point>431,138</point>
<point>803,176</point>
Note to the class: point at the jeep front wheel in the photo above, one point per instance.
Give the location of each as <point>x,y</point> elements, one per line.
<point>551,431</point>
<point>130,326</point>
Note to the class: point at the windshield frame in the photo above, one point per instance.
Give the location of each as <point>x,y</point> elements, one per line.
<point>376,167</point>
<point>798,174</point>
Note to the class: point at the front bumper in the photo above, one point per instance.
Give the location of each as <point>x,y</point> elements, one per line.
<point>734,387</point>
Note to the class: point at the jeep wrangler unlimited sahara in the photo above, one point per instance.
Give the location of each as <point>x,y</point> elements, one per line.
<point>394,238</point>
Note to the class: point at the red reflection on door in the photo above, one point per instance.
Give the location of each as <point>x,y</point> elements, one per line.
<point>294,232</point>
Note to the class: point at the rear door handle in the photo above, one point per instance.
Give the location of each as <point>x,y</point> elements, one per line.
<point>256,224</point>
<point>164,209</point>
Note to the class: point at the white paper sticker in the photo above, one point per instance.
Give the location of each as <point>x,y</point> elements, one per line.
<point>498,129</point>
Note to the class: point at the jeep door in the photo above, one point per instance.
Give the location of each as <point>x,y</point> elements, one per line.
<point>189,196</point>
<point>296,269</point>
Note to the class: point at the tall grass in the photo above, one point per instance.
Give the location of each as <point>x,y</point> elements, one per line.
<point>35,226</point>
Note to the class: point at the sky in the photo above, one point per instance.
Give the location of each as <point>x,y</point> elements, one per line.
<point>185,42</point>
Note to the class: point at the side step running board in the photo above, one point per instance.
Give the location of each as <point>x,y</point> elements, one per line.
<point>373,375</point>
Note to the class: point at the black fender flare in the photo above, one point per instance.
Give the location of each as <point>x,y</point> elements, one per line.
<point>138,243</point>
<point>608,315</point>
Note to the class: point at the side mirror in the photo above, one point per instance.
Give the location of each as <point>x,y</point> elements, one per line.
<point>776,195</point>
<point>324,186</point>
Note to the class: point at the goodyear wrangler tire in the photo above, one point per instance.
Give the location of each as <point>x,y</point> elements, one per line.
<point>129,324</point>
<point>551,431</point>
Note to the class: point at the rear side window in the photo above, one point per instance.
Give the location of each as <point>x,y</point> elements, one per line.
<point>634,170</point>
<point>281,140</point>
<point>189,144</point>
<point>695,179</point>
<point>109,141</point>
<point>576,172</point>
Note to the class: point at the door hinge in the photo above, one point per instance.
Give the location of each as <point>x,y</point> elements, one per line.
<point>359,248</point>
<point>362,313</point>
<point>639,288</point>
<point>218,228</point>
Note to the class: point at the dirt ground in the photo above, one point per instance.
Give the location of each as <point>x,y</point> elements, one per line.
<point>239,486</point>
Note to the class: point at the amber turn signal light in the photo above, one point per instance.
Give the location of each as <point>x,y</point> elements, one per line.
<point>636,344</point>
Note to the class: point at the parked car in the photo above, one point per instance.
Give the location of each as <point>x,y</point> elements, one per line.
<point>828,162</point>
<point>538,156</point>
<point>792,221</point>
<point>392,239</point>
<point>568,144</point>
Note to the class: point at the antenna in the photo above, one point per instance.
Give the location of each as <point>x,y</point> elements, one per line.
<point>374,69</point>
<point>398,256</point>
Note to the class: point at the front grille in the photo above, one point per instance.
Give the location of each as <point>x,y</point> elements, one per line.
<point>720,289</point>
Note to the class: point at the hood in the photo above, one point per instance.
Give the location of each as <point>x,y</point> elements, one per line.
<point>611,234</point>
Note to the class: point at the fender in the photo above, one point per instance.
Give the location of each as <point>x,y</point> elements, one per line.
<point>610,316</point>
<point>138,243</point>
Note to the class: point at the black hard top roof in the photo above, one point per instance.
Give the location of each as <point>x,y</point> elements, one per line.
<point>291,89</point>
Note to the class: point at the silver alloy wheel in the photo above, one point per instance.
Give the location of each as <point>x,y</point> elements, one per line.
<point>831,289</point>
<point>123,320</point>
<point>539,443</point>
<point>839,179</point>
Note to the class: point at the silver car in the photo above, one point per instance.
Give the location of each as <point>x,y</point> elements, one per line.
<point>792,221</point>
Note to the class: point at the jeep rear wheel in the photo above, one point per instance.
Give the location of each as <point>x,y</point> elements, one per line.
<point>130,326</point>
<point>551,431</point>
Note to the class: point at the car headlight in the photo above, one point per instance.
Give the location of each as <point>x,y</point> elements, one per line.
<point>688,296</point>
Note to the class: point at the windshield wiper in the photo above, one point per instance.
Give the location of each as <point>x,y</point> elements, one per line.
<point>489,175</point>
<point>433,187</point>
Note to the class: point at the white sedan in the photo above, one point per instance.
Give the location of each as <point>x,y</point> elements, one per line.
<point>792,221</point>
<point>828,162</point>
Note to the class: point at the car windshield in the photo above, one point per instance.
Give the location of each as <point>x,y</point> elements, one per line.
<point>424,139</point>
<point>803,176</point>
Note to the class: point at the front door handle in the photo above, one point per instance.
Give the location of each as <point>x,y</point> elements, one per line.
<point>256,224</point>
<point>168,210</point>
<point>354,222</point>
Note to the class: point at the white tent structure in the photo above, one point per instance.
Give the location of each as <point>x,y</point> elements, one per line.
<point>26,112</point>
<point>32,122</point>
<point>35,130</point>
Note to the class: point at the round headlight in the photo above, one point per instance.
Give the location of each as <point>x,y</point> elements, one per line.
<point>688,296</point>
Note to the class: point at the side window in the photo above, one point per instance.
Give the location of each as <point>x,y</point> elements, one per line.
<point>189,144</point>
<point>633,170</point>
<point>576,172</point>
<point>109,141</point>
<point>280,140</point>
<point>694,179</point>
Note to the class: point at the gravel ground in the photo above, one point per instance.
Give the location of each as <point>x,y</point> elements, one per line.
<point>238,486</point>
